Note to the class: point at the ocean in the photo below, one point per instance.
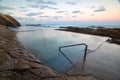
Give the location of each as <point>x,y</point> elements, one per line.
<point>79,24</point>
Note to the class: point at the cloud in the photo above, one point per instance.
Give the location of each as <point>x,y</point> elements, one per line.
<point>50,2</point>
<point>30,0</point>
<point>100,9</point>
<point>46,2</point>
<point>46,6</point>
<point>2,8</point>
<point>40,6</point>
<point>23,9</point>
<point>71,3</point>
<point>25,19</point>
<point>19,18</point>
<point>10,13</point>
<point>51,17</point>
<point>92,14</point>
<point>35,6</point>
<point>77,11</point>
<point>7,12</point>
<point>44,16</point>
<point>74,16</point>
<point>56,17</point>
<point>92,7</point>
<point>61,11</point>
<point>119,1</point>
<point>34,14</point>
<point>66,14</point>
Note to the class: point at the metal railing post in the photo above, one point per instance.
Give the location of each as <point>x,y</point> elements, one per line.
<point>74,45</point>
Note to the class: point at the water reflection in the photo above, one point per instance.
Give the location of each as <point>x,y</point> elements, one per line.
<point>103,62</point>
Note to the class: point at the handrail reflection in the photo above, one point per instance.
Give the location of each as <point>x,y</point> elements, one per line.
<point>71,46</point>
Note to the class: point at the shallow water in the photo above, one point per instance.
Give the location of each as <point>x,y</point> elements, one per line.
<point>104,63</point>
<point>102,57</point>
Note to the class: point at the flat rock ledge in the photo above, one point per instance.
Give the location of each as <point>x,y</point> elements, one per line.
<point>18,64</point>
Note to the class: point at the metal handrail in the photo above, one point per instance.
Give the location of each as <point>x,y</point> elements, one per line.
<point>73,45</point>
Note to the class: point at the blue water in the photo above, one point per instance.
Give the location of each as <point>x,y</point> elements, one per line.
<point>81,24</point>
<point>103,59</point>
<point>45,43</point>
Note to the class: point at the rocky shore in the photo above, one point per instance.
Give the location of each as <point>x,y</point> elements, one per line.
<point>18,64</point>
<point>113,33</point>
<point>8,20</point>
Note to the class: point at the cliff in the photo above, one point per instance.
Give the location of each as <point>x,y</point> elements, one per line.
<point>8,20</point>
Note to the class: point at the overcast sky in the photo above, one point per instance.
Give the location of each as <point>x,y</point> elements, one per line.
<point>62,10</point>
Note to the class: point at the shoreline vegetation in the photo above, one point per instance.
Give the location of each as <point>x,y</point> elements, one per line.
<point>113,33</point>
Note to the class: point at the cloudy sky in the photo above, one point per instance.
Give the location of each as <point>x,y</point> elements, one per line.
<point>62,10</point>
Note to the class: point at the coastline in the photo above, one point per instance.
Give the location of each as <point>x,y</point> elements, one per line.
<point>16,63</point>
<point>113,33</point>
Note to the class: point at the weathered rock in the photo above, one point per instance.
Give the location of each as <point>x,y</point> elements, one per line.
<point>17,64</point>
<point>113,33</point>
<point>8,20</point>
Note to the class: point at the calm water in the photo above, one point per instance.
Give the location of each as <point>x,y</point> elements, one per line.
<point>103,59</point>
<point>82,24</point>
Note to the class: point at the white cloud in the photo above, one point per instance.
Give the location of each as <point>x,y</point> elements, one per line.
<point>34,14</point>
<point>100,9</point>
<point>71,3</point>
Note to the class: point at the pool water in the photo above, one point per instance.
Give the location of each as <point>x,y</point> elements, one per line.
<point>102,57</point>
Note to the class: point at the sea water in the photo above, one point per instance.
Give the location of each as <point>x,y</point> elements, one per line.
<point>102,61</point>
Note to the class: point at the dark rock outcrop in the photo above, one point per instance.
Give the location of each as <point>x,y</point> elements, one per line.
<point>113,33</point>
<point>8,20</point>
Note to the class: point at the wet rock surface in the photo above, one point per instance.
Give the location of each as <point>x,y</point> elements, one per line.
<point>17,64</point>
<point>113,33</point>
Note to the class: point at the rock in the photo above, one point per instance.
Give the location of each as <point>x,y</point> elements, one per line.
<point>8,20</point>
<point>113,33</point>
<point>17,64</point>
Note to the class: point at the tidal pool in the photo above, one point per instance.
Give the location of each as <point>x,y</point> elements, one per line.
<point>103,59</point>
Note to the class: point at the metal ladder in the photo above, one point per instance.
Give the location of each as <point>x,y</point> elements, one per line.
<point>60,50</point>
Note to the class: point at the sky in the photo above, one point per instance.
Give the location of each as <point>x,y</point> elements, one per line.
<point>36,11</point>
